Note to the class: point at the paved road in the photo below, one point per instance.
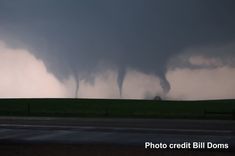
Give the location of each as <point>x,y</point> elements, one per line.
<point>115,131</point>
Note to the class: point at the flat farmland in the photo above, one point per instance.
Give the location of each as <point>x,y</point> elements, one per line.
<point>210,109</point>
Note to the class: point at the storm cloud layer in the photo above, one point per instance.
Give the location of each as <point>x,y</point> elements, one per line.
<point>118,49</point>
<point>23,75</point>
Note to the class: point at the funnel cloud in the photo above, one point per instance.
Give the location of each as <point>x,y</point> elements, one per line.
<point>134,49</point>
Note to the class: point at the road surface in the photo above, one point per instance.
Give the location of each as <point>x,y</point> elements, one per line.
<point>115,131</point>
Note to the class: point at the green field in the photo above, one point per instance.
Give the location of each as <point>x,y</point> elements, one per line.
<point>213,109</point>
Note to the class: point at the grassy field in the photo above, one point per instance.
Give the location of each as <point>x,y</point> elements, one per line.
<point>213,109</point>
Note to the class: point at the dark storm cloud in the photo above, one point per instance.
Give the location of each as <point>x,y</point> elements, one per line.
<point>75,36</point>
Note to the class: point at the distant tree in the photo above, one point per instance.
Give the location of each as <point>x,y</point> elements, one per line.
<point>158,98</point>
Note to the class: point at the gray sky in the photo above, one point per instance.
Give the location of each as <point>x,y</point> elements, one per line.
<point>77,35</point>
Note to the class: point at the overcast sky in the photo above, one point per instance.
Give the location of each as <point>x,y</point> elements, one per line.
<point>138,48</point>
